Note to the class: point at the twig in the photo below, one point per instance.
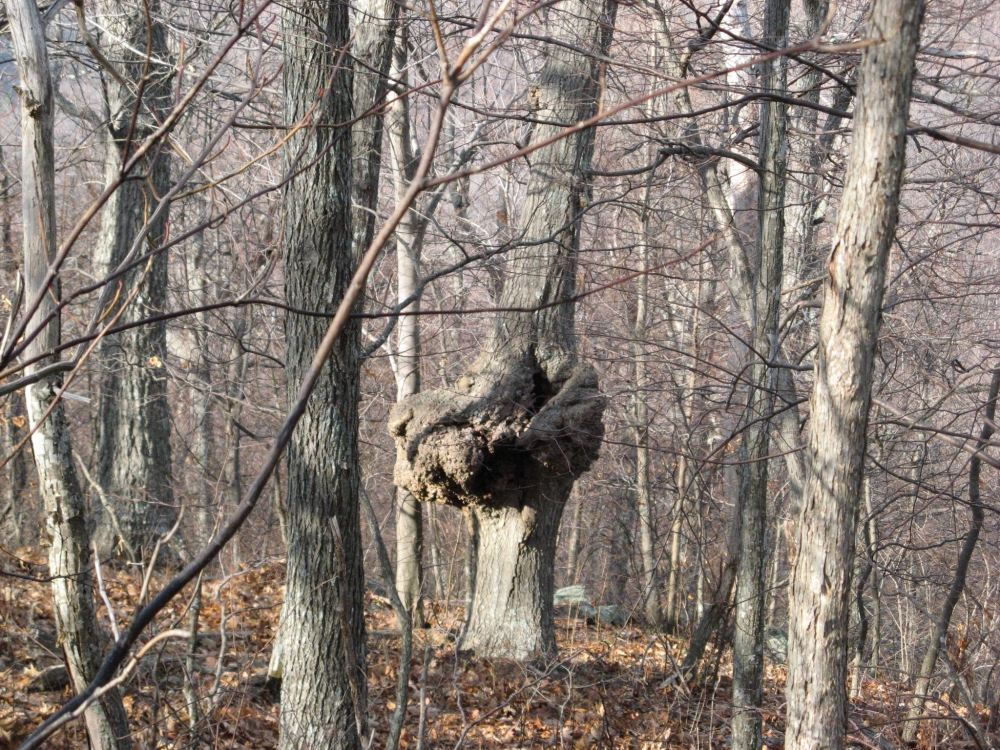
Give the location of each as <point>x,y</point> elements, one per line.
<point>104,593</point>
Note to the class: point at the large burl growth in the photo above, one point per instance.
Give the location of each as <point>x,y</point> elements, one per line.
<point>506,448</point>
<point>507,444</point>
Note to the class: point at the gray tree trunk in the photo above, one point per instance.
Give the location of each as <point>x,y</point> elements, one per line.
<point>672,609</point>
<point>940,631</point>
<point>65,514</point>
<point>526,420</point>
<point>643,489</point>
<point>765,306</point>
<point>322,669</point>
<point>373,30</point>
<point>134,458</point>
<point>409,514</point>
<point>13,419</point>
<point>848,332</point>
<point>575,544</point>
<point>13,422</point>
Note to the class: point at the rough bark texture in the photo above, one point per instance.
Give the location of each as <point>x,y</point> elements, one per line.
<point>765,300</point>
<point>824,542</point>
<point>940,633</point>
<point>320,665</point>
<point>134,461</point>
<point>65,513</point>
<point>526,420</point>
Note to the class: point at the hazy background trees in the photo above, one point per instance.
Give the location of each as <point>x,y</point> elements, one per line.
<point>683,242</point>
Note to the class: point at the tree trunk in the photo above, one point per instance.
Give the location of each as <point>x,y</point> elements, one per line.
<point>643,490</point>
<point>848,332</point>
<point>740,178</point>
<point>867,568</point>
<point>434,549</point>
<point>12,427</point>
<point>940,632</point>
<point>322,668</point>
<point>876,592</point>
<point>13,419</point>
<point>575,544</point>
<point>674,579</point>
<point>526,420</point>
<point>409,514</point>
<point>373,32</point>
<point>66,522</point>
<point>375,24</point>
<point>134,458</point>
<point>765,302</point>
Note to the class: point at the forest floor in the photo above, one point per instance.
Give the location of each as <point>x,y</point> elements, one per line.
<point>612,687</point>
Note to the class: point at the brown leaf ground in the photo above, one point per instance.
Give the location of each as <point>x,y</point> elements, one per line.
<point>612,688</point>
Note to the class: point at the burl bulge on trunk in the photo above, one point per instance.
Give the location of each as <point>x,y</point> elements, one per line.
<point>505,447</point>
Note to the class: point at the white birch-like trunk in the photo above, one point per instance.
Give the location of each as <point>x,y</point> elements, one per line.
<point>65,513</point>
<point>409,513</point>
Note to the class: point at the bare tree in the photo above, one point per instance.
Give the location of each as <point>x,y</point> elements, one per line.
<point>939,633</point>
<point>525,421</point>
<point>323,666</point>
<point>764,303</point>
<point>643,489</point>
<point>134,458</point>
<point>848,332</point>
<point>65,511</point>
<point>409,515</point>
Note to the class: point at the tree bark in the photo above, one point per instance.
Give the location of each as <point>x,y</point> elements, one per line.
<point>765,306</point>
<point>13,413</point>
<point>13,421</point>
<point>575,544</point>
<point>940,633</point>
<point>66,522</point>
<point>643,490</point>
<point>526,420</point>
<point>409,514</point>
<point>670,618</point>
<point>848,332</point>
<point>134,457</point>
<point>321,669</point>
<point>374,29</point>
